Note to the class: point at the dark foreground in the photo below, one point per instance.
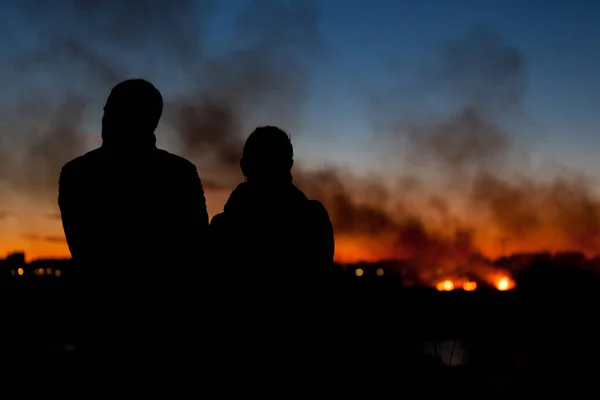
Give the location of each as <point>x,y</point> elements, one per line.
<point>372,333</point>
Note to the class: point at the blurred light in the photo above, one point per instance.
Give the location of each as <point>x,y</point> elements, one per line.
<point>49,271</point>
<point>380,272</point>
<point>20,271</point>
<point>469,286</point>
<point>57,273</point>
<point>446,286</point>
<point>359,272</point>
<point>503,284</point>
<point>41,271</point>
<point>12,271</point>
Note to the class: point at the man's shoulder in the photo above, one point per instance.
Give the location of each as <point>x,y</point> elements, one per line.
<point>175,161</point>
<point>315,207</point>
<point>82,163</point>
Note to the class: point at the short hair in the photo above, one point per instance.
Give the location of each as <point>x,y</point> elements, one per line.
<point>268,151</point>
<point>135,100</point>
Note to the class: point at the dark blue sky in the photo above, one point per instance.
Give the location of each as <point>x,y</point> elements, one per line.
<point>560,41</point>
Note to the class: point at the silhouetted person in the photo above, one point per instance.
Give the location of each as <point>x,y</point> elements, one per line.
<point>269,231</point>
<point>274,248</point>
<point>135,221</point>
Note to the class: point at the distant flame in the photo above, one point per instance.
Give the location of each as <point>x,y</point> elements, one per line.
<point>501,283</point>
<point>446,285</point>
<point>505,283</point>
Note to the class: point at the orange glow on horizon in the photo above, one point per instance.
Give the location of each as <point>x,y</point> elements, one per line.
<point>34,251</point>
<point>32,219</point>
<point>357,249</point>
<point>349,249</point>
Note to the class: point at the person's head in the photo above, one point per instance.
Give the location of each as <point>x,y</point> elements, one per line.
<point>268,155</point>
<point>131,113</point>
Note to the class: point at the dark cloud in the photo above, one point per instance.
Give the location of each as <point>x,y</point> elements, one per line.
<point>85,48</point>
<point>57,239</point>
<point>5,215</point>
<point>54,216</point>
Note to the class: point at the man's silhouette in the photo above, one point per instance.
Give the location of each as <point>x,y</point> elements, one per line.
<point>134,216</point>
<point>269,231</point>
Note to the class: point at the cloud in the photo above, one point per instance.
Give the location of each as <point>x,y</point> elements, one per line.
<point>5,215</point>
<point>53,216</point>
<point>45,238</point>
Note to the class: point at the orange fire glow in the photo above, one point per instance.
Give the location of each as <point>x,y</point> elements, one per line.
<point>505,283</point>
<point>446,285</point>
<point>452,284</point>
<point>440,255</point>
<point>502,283</point>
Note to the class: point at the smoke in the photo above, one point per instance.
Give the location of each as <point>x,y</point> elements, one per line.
<point>482,79</point>
<point>475,153</point>
<point>478,204</point>
<point>213,98</point>
<point>53,216</point>
<point>69,65</point>
<point>45,238</point>
<point>263,83</point>
<point>46,154</point>
<point>564,212</point>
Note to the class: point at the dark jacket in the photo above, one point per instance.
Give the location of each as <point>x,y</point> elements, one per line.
<point>133,218</point>
<point>272,234</point>
<point>273,250</point>
<point>136,226</point>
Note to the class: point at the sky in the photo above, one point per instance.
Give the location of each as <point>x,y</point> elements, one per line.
<point>338,60</point>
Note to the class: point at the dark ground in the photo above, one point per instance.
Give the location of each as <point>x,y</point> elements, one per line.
<point>538,339</point>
